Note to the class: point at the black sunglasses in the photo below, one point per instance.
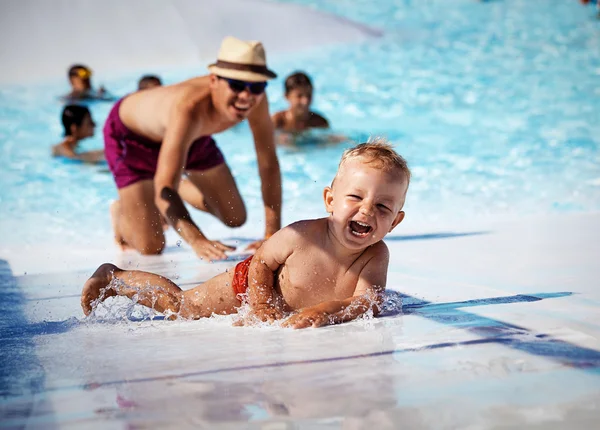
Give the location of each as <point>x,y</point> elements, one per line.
<point>236,86</point>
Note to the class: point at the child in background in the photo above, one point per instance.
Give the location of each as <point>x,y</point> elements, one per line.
<point>81,86</point>
<point>149,81</point>
<point>78,123</point>
<point>593,1</point>
<point>321,271</point>
<point>298,117</point>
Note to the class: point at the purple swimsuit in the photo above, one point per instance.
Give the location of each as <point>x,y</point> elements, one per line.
<point>132,158</point>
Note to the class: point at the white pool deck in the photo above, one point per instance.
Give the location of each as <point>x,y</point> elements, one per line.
<point>499,328</point>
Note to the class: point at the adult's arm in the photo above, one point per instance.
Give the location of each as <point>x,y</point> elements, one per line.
<point>178,138</point>
<point>268,165</point>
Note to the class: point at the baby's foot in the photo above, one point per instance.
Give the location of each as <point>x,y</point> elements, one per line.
<point>94,286</point>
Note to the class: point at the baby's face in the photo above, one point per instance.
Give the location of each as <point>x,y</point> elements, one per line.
<point>365,203</point>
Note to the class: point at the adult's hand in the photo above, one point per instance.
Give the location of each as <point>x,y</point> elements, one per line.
<point>211,249</point>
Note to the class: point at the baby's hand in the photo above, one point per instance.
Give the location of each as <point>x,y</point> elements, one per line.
<point>274,314</point>
<point>307,318</point>
<point>267,314</point>
<point>257,315</point>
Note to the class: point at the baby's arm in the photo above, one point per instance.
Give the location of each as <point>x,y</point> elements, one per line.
<point>368,295</point>
<point>265,302</point>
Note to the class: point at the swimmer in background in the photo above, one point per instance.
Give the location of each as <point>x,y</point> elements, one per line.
<point>80,79</point>
<point>298,117</point>
<point>585,2</point>
<point>78,123</point>
<point>149,81</point>
<point>311,273</point>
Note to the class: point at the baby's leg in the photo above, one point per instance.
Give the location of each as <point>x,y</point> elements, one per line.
<point>151,290</point>
<point>213,296</point>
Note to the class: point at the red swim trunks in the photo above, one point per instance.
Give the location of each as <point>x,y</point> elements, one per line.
<point>240,278</point>
<point>132,158</point>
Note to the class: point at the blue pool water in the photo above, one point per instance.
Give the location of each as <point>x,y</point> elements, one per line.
<point>496,106</point>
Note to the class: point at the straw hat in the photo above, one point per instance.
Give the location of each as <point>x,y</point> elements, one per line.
<point>243,60</point>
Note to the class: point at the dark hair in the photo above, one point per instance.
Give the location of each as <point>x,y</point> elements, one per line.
<point>146,79</point>
<point>73,70</point>
<point>73,114</point>
<point>297,80</point>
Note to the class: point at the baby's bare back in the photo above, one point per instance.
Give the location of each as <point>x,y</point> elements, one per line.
<point>148,112</point>
<point>312,275</point>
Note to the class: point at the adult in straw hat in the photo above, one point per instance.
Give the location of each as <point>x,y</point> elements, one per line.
<point>153,137</point>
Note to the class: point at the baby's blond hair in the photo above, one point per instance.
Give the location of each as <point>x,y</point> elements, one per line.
<point>378,152</point>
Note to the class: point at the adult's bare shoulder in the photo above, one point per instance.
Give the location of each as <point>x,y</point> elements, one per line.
<point>188,94</point>
<point>193,91</point>
<point>198,81</point>
<point>149,113</point>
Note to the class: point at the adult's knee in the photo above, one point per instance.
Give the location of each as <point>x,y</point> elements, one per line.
<point>235,219</point>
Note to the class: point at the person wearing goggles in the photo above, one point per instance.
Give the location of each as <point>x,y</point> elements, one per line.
<point>160,150</point>
<point>81,86</point>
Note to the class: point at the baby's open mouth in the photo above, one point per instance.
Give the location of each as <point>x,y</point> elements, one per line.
<point>359,229</point>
